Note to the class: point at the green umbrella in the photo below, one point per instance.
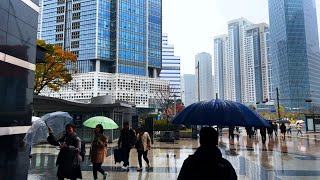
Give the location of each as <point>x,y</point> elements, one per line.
<point>107,123</point>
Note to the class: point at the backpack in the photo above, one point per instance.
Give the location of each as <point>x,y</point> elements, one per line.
<point>83,150</point>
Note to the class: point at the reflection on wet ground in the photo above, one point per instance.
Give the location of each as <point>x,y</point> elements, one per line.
<point>293,158</point>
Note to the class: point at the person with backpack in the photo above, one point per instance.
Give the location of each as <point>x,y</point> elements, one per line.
<point>126,142</point>
<point>207,161</point>
<point>69,159</point>
<point>98,152</point>
<point>143,144</point>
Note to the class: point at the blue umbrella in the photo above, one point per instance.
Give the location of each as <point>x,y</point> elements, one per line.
<point>219,112</point>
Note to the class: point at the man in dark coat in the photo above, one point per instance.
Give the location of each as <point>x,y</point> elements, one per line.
<point>207,162</point>
<point>126,142</point>
<point>263,132</point>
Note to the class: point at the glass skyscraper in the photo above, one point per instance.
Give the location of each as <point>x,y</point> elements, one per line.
<point>295,52</point>
<point>107,35</point>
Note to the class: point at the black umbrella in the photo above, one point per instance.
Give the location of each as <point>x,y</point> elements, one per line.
<point>219,112</point>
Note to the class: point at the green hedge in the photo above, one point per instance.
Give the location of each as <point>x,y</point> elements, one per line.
<point>162,125</point>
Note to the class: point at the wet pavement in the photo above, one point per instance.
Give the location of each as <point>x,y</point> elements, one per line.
<point>296,157</point>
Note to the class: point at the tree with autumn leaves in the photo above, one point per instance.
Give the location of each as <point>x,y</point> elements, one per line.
<point>53,73</point>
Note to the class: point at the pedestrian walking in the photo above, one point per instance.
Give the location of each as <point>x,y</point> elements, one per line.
<point>68,160</point>
<point>283,130</point>
<point>299,129</point>
<point>143,145</point>
<point>263,133</point>
<point>289,129</point>
<point>207,161</point>
<point>231,132</point>
<point>270,130</point>
<point>126,142</point>
<point>249,131</point>
<point>275,129</point>
<point>220,131</point>
<point>98,152</point>
<point>237,132</point>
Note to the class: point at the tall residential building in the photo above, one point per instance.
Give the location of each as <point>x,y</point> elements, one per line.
<point>108,36</point>
<point>170,67</point>
<point>220,56</point>
<point>188,92</point>
<point>256,77</point>
<point>203,69</point>
<point>270,90</point>
<point>295,56</point>
<point>236,59</point>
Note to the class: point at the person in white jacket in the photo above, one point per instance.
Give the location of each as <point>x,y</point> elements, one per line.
<point>143,144</point>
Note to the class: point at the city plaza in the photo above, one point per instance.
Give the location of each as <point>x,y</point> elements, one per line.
<point>296,157</point>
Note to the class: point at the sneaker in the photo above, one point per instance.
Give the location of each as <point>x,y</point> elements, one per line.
<point>124,167</point>
<point>139,169</point>
<point>105,175</point>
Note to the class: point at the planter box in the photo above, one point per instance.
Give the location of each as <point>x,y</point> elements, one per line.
<point>185,134</point>
<point>167,136</point>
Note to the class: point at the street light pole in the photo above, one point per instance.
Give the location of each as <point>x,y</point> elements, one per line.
<point>198,81</point>
<point>278,103</point>
<point>175,104</point>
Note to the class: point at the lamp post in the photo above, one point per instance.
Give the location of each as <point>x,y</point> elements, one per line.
<point>175,104</point>
<point>278,103</point>
<point>198,72</point>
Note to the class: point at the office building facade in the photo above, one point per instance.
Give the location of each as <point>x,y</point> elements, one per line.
<point>108,36</point>
<point>188,92</point>
<point>170,68</point>
<point>203,69</point>
<point>18,35</point>
<point>294,49</point>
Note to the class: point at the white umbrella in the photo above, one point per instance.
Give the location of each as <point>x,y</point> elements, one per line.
<point>34,118</point>
<point>39,129</point>
<point>300,121</point>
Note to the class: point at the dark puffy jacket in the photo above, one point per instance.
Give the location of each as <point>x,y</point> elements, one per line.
<point>207,163</point>
<point>68,167</point>
<point>127,138</point>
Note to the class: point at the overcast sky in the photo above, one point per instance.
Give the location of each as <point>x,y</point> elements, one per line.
<point>191,25</point>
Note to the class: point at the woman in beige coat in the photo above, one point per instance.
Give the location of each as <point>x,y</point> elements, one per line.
<point>143,144</point>
<point>98,152</point>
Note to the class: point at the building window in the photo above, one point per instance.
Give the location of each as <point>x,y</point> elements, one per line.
<point>60,9</point>
<point>75,16</point>
<point>76,7</point>
<point>60,18</point>
<point>59,44</point>
<point>74,44</point>
<point>60,1</point>
<point>75,35</point>
<point>76,25</point>
<point>76,53</point>
<point>59,28</point>
<point>59,37</point>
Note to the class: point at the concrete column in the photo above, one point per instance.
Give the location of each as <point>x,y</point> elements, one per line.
<point>97,65</point>
<point>154,73</point>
